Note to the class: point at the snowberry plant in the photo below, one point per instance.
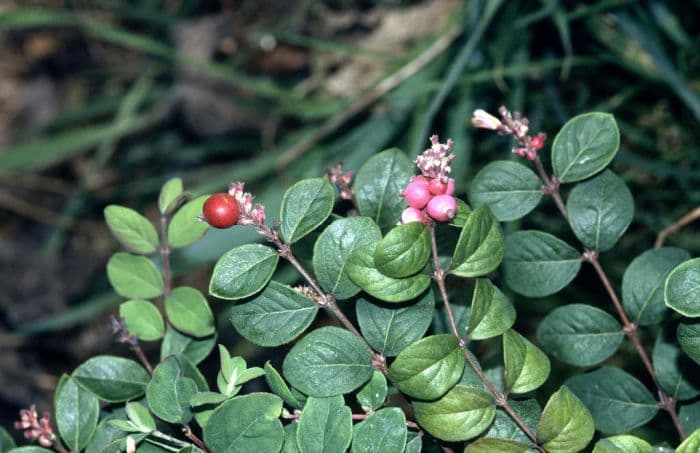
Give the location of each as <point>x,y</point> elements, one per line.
<point>420,353</point>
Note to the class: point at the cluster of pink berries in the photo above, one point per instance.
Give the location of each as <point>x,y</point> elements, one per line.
<point>429,195</point>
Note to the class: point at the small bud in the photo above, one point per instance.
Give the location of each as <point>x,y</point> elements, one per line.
<point>484,120</point>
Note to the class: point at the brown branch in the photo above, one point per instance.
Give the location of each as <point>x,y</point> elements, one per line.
<point>142,357</point>
<point>551,187</point>
<point>187,431</point>
<point>675,226</point>
<point>500,398</point>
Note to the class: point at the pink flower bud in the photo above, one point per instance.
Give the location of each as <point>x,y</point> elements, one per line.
<point>442,208</point>
<point>416,194</point>
<point>412,215</point>
<point>485,120</point>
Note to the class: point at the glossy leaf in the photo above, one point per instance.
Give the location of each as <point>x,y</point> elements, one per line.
<point>537,264</point>
<point>77,413</point>
<point>333,248</point>
<point>383,431</point>
<point>7,443</point>
<point>622,444</point>
<point>511,190</point>
<point>140,416</point>
<point>389,329</point>
<point>243,271</point>
<point>584,146</point>
<point>246,423</point>
<point>404,251</point>
<point>170,391</point>
<point>689,416</point>
<point>689,339</point>
<point>185,228</point>
<point>112,379</point>
<point>142,319</point>
<point>304,207</point>
<point>194,349</point>
<point>580,335</point>
<point>378,185</point>
<point>504,427</point>
<point>682,290</point>
<point>362,271</point>
<point>491,311</point>
<point>373,394</point>
<point>479,249</point>
<point>526,367</point>
<point>290,438</point>
<point>189,311</point>
<point>279,387</point>
<point>494,445</point>
<point>643,284</point>
<point>325,425</point>
<point>616,399</point>
<point>276,316</point>
<point>676,373</point>
<point>691,444</point>
<point>328,361</point>
<point>600,210</point>
<point>428,368</point>
<point>565,425</point>
<point>169,193</point>
<point>134,276</point>
<point>462,414</point>
<point>132,230</point>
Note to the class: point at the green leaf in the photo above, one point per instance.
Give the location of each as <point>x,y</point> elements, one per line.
<point>134,276</point>
<point>404,251</point>
<point>169,392</point>
<point>325,425</point>
<point>378,185</point>
<point>329,361</point>
<point>617,400</point>
<point>676,373</point>
<point>170,191</point>
<point>373,394</point>
<point>304,207</point>
<point>689,416</point>
<point>493,445</point>
<point>689,338</point>
<point>382,432</point>
<point>246,423</point>
<point>105,432</point>
<point>643,284</point>
<point>290,438</point>
<point>7,443</point>
<point>207,398</point>
<point>185,228</point>
<point>600,210</point>
<point>584,146</point>
<point>479,249</point>
<point>133,230</point>
<point>389,329</point>
<point>428,368</point>
<point>142,319</point>
<point>275,317</point>
<point>565,425</point>
<point>682,290</point>
<point>691,444</point>
<point>189,311</point>
<point>414,445</point>
<point>361,269</point>
<point>77,413</point>
<point>194,349</point>
<point>504,427</point>
<point>333,248</point>
<point>463,211</point>
<point>243,271</point>
<point>279,386</point>
<point>491,311</point>
<point>511,190</point>
<point>622,444</point>
<point>112,379</point>
<point>140,416</point>
<point>537,264</point>
<point>580,335</point>
<point>462,414</point>
<point>526,367</point>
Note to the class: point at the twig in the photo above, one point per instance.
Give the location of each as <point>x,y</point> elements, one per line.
<point>501,398</point>
<point>142,357</point>
<point>675,226</point>
<point>168,438</point>
<point>187,431</point>
<point>551,187</point>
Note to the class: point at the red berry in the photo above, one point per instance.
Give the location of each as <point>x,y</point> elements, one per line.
<point>537,142</point>
<point>221,210</point>
<point>417,194</point>
<point>442,208</point>
<point>437,187</point>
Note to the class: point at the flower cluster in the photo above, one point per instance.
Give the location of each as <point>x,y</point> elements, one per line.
<point>224,210</point>
<point>511,124</point>
<point>341,179</point>
<point>36,428</point>
<point>250,215</point>
<point>430,193</point>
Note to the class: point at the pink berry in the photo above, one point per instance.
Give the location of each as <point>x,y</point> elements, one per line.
<point>537,142</point>
<point>412,215</point>
<point>437,187</point>
<point>450,187</point>
<point>416,194</point>
<point>442,208</point>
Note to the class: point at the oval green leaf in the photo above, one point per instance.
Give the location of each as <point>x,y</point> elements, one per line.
<point>504,427</point>
<point>279,387</point>
<point>537,264</point>
<point>304,207</point>
<point>565,425</point>
<point>329,361</point>
<point>580,335</point>
<point>511,190</point>
<point>688,336</point>
<point>479,249</point>
<point>373,394</point>
<point>428,368</point>
<point>134,276</point>
<point>383,431</point>
<point>168,193</point>
<point>275,317</point>
<point>185,228</point>
<point>325,425</point>
<point>77,412</point>
<point>189,311</point>
<point>682,290</point>
<point>112,379</point>
<point>404,251</point>
<point>194,349</point>
<point>493,445</point>
<point>526,367</point>
<point>691,444</point>
<point>491,311</point>
<point>170,391</point>
<point>676,373</point>
<point>243,271</point>
<point>584,146</point>
<point>622,444</point>
<point>133,230</point>
<point>142,319</point>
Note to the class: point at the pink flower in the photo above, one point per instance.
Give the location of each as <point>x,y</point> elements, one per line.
<point>484,120</point>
